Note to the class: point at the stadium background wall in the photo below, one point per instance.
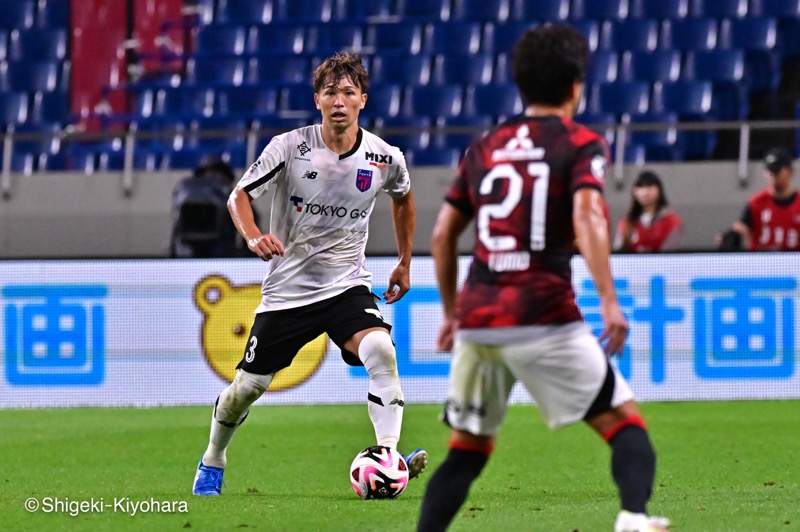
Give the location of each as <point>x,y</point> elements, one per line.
<point>57,215</point>
<point>169,332</point>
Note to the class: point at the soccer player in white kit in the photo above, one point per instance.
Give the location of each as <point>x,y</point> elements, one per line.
<point>326,179</point>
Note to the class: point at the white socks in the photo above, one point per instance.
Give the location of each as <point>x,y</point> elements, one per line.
<point>232,407</point>
<point>385,399</point>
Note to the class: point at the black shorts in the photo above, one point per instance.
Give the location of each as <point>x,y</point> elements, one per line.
<point>280,334</point>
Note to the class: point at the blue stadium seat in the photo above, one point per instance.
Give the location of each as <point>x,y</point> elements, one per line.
<point>749,33</point>
<point>427,10</point>
<point>407,133</point>
<point>603,67</point>
<point>725,69</point>
<point>3,45</point>
<point>53,162</point>
<point>434,157</point>
<point>662,9</point>
<point>221,40</point>
<point>109,156</point>
<point>247,102</point>
<point>496,100</point>
<point>248,12</point>
<point>175,103</point>
<point>383,101</point>
<point>402,69</point>
<point>482,10</point>
<point>52,14</point>
<point>622,97</point>
<point>658,65</point>
<point>50,107</point>
<point>631,34</point>
<point>269,126</point>
<point>433,100</point>
<point>590,29</point>
<point>363,10</point>
<point>456,38</point>
<point>36,76</point>
<point>215,72</point>
<point>17,14</point>
<point>659,145</point>
<point>13,108</point>
<point>689,34</point>
<point>80,157</point>
<point>38,45</point>
<point>44,138</point>
<point>279,70</point>
<point>504,36</point>
<point>719,8</point>
<point>159,135</point>
<point>460,132</point>
<point>540,10</point>
<point>463,69</point>
<point>634,154</point>
<point>297,100</point>
<point>688,99</point>
<point>775,8</point>
<point>216,131</point>
<point>402,37</point>
<point>294,11</point>
<point>759,38</point>
<point>326,39</point>
<point>276,39</point>
<point>599,9</point>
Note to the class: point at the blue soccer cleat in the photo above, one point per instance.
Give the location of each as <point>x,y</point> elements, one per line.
<point>207,480</point>
<point>416,462</point>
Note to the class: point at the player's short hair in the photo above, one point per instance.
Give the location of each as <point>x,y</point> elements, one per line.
<point>339,66</point>
<point>547,61</point>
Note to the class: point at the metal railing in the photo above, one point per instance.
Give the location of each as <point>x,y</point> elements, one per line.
<point>620,132</point>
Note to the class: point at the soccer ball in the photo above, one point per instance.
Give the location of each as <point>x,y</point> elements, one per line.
<point>379,473</point>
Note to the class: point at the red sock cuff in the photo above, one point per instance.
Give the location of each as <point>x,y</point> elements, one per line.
<point>630,420</point>
<point>472,447</point>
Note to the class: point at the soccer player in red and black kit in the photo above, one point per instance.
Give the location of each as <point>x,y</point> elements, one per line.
<point>534,188</point>
<point>771,219</point>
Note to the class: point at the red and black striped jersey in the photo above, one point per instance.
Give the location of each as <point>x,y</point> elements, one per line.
<point>517,183</point>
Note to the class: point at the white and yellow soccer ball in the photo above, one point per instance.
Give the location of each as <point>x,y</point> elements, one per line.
<point>379,472</point>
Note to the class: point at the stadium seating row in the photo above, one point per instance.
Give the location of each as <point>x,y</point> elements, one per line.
<point>471,37</point>
<point>23,14</point>
<point>266,11</point>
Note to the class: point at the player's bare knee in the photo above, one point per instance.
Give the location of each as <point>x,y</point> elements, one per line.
<point>377,352</point>
<point>245,389</point>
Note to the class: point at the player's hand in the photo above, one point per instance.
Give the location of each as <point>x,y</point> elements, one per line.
<point>447,334</point>
<point>615,328</point>
<point>265,246</point>
<point>399,283</point>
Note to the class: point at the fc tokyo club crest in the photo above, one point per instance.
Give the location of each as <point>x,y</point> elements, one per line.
<point>363,180</point>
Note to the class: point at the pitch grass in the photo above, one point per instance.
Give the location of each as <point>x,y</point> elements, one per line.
<point>730,466</point>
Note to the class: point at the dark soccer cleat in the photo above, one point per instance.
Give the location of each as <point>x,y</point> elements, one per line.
<point>208,480</point>
<point>416,461</point>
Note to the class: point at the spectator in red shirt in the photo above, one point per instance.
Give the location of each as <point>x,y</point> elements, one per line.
<point>650,225</point>
<point>771,219</point>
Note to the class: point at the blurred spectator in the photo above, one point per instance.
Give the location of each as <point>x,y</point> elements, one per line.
<point>650,225</point>
<point>201,225</point>
<point>771,219</point>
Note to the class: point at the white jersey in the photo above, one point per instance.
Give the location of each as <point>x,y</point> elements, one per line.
<point>320,211</point>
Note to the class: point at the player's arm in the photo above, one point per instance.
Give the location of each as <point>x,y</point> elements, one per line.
<point>241,209</point>
<point>591,232</point>
<point>444,247</point>
<point>404,220</point>
<point>744,223</point>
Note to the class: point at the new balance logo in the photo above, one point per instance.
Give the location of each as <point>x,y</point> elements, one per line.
<point>310,175</point>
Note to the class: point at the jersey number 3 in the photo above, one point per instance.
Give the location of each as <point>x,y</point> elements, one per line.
<point>541,173</point>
